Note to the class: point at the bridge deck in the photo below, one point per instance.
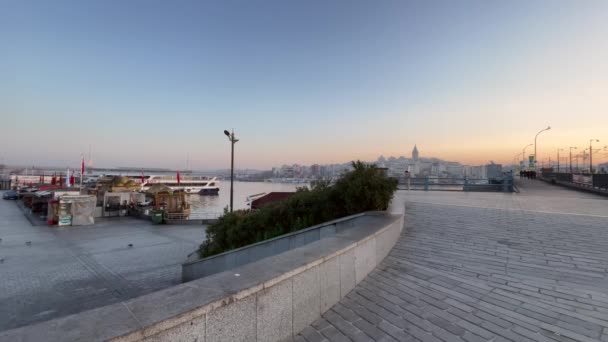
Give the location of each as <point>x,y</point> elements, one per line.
<point>485,267</point>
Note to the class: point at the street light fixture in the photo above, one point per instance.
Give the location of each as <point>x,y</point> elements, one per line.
<point>591,154</point>
<point>535,153</point>
<point>571,147</point>
<point>233,140</point>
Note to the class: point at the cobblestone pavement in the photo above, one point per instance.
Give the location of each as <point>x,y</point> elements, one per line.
<point>68,270</point>
<point>484,267</point>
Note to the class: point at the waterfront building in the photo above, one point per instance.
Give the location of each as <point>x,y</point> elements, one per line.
<point>455,169</point>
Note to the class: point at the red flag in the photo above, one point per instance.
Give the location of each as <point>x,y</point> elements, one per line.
<point>179,179</point>
<point>72,179</point>
<point>81,165</point>
<point>53,180</point>
<point>60,180</point>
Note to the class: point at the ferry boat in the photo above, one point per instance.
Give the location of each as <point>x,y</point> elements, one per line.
<point>190,184</point>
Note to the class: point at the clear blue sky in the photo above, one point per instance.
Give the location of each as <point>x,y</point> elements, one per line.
<point>148,82</point>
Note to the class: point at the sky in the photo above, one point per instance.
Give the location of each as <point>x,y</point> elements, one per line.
<point>154,83</point>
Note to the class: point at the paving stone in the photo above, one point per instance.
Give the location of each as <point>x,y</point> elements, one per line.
<point>333,334</point>
<point>373,332</point>
<point>312,335</point>
<point>395,332</point>
<point>446,325</point>
<point>491,318</point>
<point>469,337</point>
<point>346,313</point>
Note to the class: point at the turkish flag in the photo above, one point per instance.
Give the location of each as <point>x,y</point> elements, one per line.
<point>179,179</point>
<point>81,166</point>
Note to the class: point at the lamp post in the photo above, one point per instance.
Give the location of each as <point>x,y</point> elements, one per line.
<point>559,149</point>
<point>591,154</point>
<point>571,147</point>
<point>535,137</point>
<point>523,153</point>
<point>233,140</point>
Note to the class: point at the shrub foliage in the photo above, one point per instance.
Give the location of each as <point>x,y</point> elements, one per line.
<point>362,189</point>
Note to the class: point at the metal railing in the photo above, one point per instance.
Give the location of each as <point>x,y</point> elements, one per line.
<point>585,180</point>
<point>456,184</point>
<point>193,216</point>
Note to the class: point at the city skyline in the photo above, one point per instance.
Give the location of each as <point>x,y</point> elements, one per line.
<point>155,85</point>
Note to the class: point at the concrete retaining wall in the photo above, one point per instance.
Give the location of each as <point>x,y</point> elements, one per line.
<point>196,268</point>
<point>269,300</point>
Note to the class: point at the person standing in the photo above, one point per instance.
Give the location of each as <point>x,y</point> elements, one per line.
<point>407,179</point>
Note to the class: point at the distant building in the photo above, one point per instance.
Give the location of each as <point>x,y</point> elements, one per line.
<point>455,170</point>
<point>477,172</point>
<point>493,171</point>
<point>315,170</point>
<point>415,153</point>
<point>287,171</point>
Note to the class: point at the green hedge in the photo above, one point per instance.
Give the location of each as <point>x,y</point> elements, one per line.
<point>363,189</point>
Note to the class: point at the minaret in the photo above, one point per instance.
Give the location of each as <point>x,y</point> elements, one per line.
<point>415,153</point>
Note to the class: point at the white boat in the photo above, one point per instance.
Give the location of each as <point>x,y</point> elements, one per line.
<point>190,184</point>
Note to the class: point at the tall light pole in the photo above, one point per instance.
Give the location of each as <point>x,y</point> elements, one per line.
<point>523,153</point>
<point>591,154</point>
<point>535,137</point>
<point>571,147</point>
<point>233,140</point>
<point>559,149</point>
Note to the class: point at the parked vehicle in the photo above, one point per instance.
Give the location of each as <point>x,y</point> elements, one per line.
<point>10,195</point>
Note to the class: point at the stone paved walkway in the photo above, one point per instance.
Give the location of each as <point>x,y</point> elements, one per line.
<point>485,267</point>
<point>71,269</point>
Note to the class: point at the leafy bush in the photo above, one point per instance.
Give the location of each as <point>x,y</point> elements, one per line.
<point>363,189</point>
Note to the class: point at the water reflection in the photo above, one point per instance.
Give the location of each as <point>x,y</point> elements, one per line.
<point>216,204</point>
